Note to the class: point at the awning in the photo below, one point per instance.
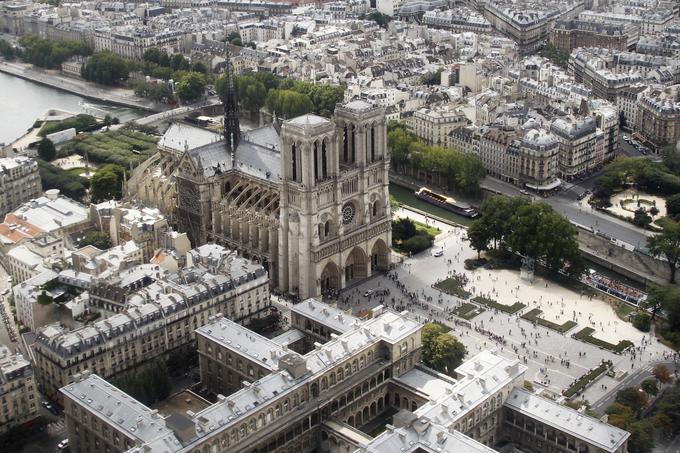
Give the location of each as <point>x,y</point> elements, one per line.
<point>552,185</point>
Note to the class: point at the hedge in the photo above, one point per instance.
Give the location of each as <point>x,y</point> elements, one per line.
<point>586,335</point>
<point>510,309</point>
<point>534,316</point>
<point>585,380</point>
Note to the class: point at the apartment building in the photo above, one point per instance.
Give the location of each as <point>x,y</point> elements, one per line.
<point>499,150</point>
<point>433,124</point>
<point>161,312</point>
<point>19,397</point>
<point>577,139</point>
<point>539,156</point>
<point>129,42</point>
<point>658,116</point>
<point>627,104</point>
<point>570,34</point>
<point>19,182</point>
<point>316,401</point>
<point>457,20</point>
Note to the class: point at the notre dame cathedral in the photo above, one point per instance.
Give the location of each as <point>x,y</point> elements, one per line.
<point>308,197</point>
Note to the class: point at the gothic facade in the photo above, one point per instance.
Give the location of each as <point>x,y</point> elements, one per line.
<point>308,198</point>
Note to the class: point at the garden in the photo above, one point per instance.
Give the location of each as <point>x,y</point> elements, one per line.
<point>467,311</point>
<point>125,147</point>
<point>411,237</point>
<point>454,286</point>
<point>586,335</point>
<point>494,305</point>
<point>535,317</point>
<point>584,381</point>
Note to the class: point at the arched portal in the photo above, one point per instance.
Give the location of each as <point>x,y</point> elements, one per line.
<point>380,254</point>
<point>330,277</point>
<point>356,266</point>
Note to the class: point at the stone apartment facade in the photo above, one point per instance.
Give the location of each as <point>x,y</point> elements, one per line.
<point>19,397</point>
<point>318,401</point>
<point>19,182</point>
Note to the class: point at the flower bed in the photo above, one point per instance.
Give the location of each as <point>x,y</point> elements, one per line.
<point>453,286</point>
<point>514,308</point>
<point>467,311</point>
<point>534,316</point>
<point>586,335</point>
<point>581,383</point>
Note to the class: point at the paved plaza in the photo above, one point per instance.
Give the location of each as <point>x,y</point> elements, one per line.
<point>545,351</point>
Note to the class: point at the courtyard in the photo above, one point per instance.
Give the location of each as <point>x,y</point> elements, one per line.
<point>543,341</point>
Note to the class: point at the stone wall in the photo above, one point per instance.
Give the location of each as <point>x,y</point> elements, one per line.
<point>623,258</point>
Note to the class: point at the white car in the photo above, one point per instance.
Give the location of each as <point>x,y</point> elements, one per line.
<point>368,293</point>
<point>437,253</point>
<point>625,138</point>
<point>63,445</point>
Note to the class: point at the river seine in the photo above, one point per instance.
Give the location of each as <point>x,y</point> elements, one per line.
<point>22,102</point>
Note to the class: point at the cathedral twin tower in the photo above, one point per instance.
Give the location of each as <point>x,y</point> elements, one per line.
<point>309,199</point>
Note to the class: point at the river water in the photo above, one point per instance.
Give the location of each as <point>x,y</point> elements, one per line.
<point>22,102</point>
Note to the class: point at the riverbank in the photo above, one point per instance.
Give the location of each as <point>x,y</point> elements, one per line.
<point>88,90</point>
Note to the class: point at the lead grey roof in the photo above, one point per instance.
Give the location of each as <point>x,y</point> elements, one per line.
<point>607,437</point>
<point>308,120</point>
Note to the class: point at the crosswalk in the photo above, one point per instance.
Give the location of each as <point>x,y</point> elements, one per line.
<point>56,428</point>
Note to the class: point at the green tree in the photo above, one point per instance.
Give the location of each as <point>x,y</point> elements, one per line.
<point>288,103</point>
<point>191,87</point>
<point>106,184</point>
<point>97,239</point>
<point>641,218</point>
<point>234,38</point>
<point>402,229</point>
<point>667,244</point>
<point>620,415</point>
<point>105,68</point>
<point>251,93</point>
<point>7,50</point>
<point>199,67</point>
<point>179,63</point>
<point>642,321</point>
<point>431,78</point>
<point>51,54</point>
<point>441,351</point>
<point>153,55</point>
<point>379,18</point>
<point>641,437</point>
<point>650,387</point>
<point>673,206</point>
<point>632,397</point>
<point>479,237</point>
<point>663,375</point>
<point>46,150</point>
<point>541,233</point>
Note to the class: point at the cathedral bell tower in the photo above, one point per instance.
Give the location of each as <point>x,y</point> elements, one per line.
<point>232,128</point>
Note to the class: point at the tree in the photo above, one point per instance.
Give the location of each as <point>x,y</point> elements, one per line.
<point>234,38</point>
<point>403,229</point>
<point>641,437</point>
<point>46,150</point>
<point>632,397</point>
<point>673,206</point>
<point>190,87</point>
<point>199,67</point>
<point>96,239</point>
<point>106,184</point>
<point>642,321</point>
<point>641,218</point>
<point>620,415</point>
<point>662,374</point>
<point>667,244</point>
<point>479,237</point>
<point>441,351</point>
<point>105,68</point>
<point>179,63</point>
<point>431,78</point>
<point>7,50</point>
<point>650,387</point>
<point>153,55</point>
<point>379,18</point>
<point>394,204</point>
<point>288,103</point>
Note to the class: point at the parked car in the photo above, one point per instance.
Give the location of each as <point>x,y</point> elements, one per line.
<point>625,138</point>
<point>368,293</point>
<point>438,253</point>
<point>63,445</point>
<point>524,192</point>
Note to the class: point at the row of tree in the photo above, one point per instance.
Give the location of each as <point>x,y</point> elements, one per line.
<point>50,54</point>
<point>448,167</point>
<point>533,230</point>
<point>628,410</point>
<point>285,97</point>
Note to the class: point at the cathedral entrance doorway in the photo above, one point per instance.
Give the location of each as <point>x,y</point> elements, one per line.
<point>380,254</point>
<point>330,277</point>
<point>356,266</point>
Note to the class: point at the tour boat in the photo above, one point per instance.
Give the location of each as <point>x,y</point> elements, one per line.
<point>445,202</point>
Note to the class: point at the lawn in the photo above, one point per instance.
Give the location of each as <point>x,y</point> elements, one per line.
<point>585,380</point>
<point>429,229</point>
<point>467,311</point>
<point>510,309</point>
<point>534,316</point>
<point>586,335</point>
<point>453,286</point>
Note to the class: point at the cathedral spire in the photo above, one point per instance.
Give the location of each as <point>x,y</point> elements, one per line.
<point>232,131</point>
